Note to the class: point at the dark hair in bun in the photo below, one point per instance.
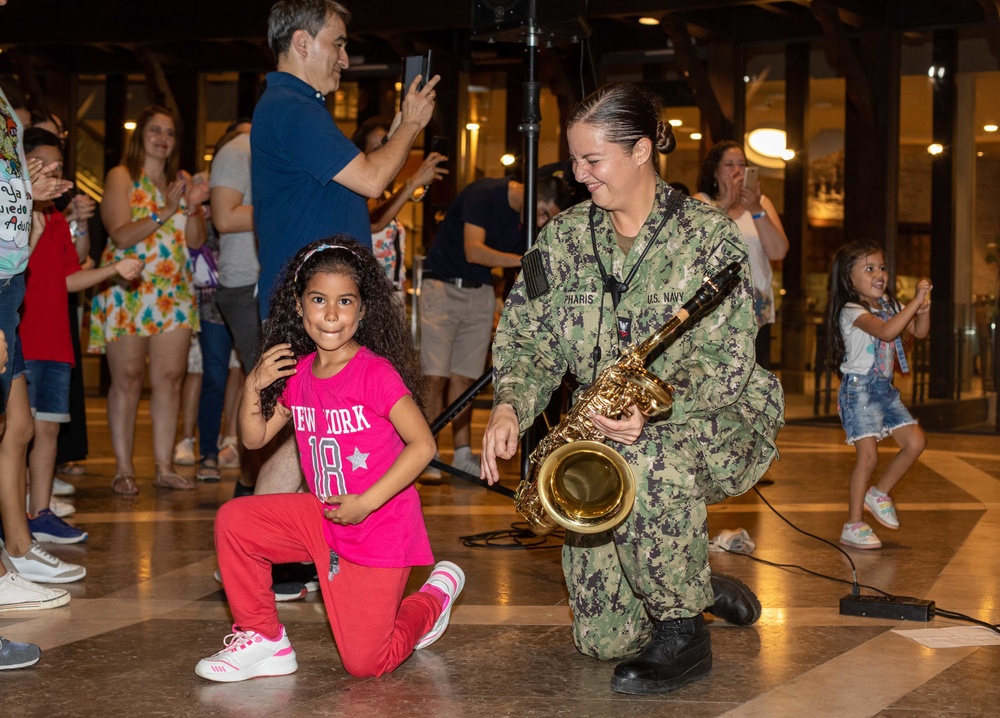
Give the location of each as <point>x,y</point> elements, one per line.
<point>625,113</point>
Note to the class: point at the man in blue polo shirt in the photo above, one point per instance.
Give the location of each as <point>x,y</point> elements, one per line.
<point>309,180</point>
<point>482,229</point>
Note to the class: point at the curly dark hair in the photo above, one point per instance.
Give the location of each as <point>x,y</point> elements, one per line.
<point>842,291</point>
<point>383,329</point>
<point>707,182</point>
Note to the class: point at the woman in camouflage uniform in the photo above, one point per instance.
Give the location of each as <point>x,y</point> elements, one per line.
<point>639,589</point>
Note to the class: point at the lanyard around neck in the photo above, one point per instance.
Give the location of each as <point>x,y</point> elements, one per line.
<point>609,283</point>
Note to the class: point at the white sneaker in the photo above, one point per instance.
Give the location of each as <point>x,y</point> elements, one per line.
<point>466,461</point>
<point>859,535</point>
<point>249,655</point>
<point>19,594</point>
<point>229,453</point>
<point>184,452</point>
<point>60,508</point>
<point>62,488</point>
<point>39,565</point>
<point>450,580</point>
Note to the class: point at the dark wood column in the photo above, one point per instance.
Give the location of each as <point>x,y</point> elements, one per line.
<point>871,158</point>
<point>189,94</point>
<point>115,92</point>
<point>943,374</point>
<point>794,312</point>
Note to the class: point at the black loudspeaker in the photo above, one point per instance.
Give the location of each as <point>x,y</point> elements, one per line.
<point>509,19</point>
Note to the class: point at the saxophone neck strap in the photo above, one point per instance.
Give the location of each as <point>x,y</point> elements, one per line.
<point>610,284</point>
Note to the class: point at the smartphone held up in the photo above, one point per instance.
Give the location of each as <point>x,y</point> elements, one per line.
<point>414,65</point>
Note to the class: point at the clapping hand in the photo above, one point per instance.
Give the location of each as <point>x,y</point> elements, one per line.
<point>129,268</point>
<point>175,191</point>
<point>81,209</point>
<point>196,190</point>
<point>924,287</point>
<point>46,182</point>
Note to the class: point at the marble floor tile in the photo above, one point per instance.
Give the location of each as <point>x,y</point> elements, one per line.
<point>127,643</point>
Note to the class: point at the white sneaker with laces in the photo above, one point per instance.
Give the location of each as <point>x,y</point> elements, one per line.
<point>39,565</point>
<point>184,452</point>
<point>60,508</point>
<point>249,655</point>
<point>62,488</point>
<point>19,594</point>
<point>450,580</point>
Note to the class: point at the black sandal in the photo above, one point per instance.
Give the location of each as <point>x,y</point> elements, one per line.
<point>208,471</point>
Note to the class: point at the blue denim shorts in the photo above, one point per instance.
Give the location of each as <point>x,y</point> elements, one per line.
<point>48,389</point>
<point>11,295</point>
<point>870,406</point>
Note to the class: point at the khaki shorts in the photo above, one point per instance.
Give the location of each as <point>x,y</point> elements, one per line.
<point>456,326</point>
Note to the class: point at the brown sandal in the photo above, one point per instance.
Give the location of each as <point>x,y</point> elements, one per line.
<point>124,484</point>
<point>170,480</point>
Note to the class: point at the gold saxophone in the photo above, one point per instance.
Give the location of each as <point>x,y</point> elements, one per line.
<point>576,480</point>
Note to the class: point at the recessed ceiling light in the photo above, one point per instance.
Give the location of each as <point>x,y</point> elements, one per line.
<point>990,128</point>
<point>676,123</point>
<point>695,135</point>
<point>935,149</point>
<point>649,21</point>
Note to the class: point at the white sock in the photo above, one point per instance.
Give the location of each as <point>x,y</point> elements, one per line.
<point>463,451</point>
<point>876,493</point>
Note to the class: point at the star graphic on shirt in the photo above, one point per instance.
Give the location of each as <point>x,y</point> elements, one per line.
<point>358,460</point>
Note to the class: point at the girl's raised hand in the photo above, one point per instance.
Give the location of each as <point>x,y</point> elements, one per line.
<point>347,509</point>
<point>275,363</point>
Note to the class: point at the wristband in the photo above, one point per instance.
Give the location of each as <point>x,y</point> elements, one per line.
<point>759,215</point>
<point>156,218</point>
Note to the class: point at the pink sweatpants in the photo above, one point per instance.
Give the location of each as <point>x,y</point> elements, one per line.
<point>374,627</point>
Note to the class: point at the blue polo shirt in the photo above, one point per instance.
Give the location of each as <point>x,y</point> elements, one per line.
<point>296,149</point>
<point>484,204</point>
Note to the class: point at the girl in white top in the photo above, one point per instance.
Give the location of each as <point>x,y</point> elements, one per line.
<point>721,185</point>
<point>865,326</point>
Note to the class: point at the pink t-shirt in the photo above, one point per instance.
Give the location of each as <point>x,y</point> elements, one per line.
<point>346,443</point>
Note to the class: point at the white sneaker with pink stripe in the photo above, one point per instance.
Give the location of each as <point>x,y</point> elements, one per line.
<point>450,580</point>
<point>249,655</point>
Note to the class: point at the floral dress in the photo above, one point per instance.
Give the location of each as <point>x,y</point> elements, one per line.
<point>161,299</point>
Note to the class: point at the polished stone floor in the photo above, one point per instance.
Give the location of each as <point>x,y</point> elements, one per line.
<point>149,609</point>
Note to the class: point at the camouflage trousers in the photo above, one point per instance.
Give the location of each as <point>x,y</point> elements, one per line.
<point>652,566</point>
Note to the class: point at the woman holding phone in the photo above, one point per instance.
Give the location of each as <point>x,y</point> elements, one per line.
<point>726,182</point>
<point>388,233</point>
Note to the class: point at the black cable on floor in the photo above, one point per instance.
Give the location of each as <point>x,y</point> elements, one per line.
<point>518,536</point>
<point>944,613</point>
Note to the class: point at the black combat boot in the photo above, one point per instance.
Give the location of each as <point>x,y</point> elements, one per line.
<point>680,652</point>
<point>734,602</point>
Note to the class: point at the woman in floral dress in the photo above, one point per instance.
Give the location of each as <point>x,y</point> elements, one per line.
<point>152,211</point>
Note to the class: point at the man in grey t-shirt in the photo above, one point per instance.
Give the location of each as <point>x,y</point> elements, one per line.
<point>232,216</point>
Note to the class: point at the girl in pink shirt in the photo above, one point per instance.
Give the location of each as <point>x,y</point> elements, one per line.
<point>339,364</point>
